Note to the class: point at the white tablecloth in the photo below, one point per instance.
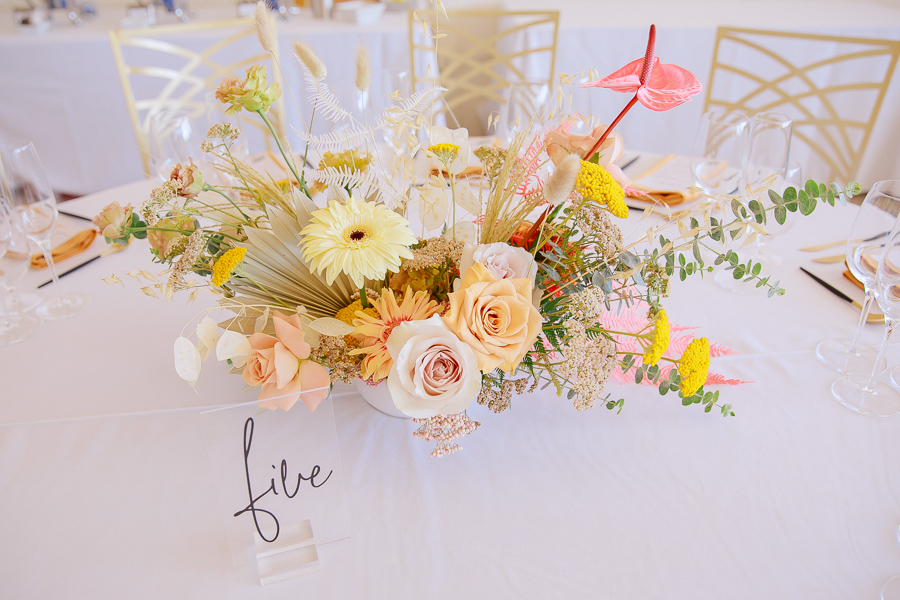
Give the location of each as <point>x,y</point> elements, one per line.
<point>62,89</point>
<point>108,493</point>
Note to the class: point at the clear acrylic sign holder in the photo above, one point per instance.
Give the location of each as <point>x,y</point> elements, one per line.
<point>280,485</point>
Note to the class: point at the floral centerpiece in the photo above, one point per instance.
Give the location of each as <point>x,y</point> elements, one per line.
<point>442,288</point>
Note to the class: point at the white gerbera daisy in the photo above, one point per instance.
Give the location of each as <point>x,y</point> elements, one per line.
<point>362,239</point>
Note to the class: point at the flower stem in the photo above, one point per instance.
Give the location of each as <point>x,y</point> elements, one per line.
<point>363,299</point>
<point>610,128</point>
<point>290,163</point>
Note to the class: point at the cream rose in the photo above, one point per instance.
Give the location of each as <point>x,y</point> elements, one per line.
<point>501,260</point>
<point>496,318</point>
<point>434,373</point>
<point>279,365</point>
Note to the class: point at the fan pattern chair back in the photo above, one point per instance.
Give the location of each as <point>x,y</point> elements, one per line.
<point>831,86</point>
<point>177,68</point>
<point>480,55</point>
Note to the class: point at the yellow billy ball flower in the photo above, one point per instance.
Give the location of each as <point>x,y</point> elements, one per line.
<point>594,183</point>
<point>660,340</point>
<point>694,366</point>
<point>226,264</point>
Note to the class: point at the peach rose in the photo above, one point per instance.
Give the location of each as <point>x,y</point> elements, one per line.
<point>279,365</point>
<point>189,178</point>
<point>496,318</point>
<point>113,221</point>
<point>161,236</point>
<point>561,143</point>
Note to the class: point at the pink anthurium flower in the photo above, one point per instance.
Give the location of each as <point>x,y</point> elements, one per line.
<point>656,85</point>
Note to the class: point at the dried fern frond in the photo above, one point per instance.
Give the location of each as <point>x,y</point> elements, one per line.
<point>321,97</point>
<point>337,140</point>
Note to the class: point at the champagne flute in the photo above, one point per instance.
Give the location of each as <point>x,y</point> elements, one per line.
<point>34,212</point>
<point>13,328</point>
<point>866,395</point>
<point>865,242</point>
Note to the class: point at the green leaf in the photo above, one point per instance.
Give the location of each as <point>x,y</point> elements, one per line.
<point>663,388</point>
<point>738,272</point>
<point>638,375</point>
<point>780,214</point>
<point>829,197</point>
<point>812,188</point>
<point>759,213</point>
<point>756,269</point>
<point>696,250</point>
<point>790,199</point>
<point>807,203</point>
<point>775,198</point>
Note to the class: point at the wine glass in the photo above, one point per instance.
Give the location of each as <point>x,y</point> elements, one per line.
<point>866,395</point>
<point>865,242</point>
<point>13,328</point>
<point>719,151</point>
<point>525,104</point>
<point>767,154</point>
<point>171,140</point>
<point>34,210</point>
<point>13,267</point>
<point>769,148</point>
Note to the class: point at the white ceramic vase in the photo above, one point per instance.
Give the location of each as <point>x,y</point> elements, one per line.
<point>379,397</point>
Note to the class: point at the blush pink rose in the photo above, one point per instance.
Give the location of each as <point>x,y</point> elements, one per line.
<point>560,143</point>
<point>279,365</point>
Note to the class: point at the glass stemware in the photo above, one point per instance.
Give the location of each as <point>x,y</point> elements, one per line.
<point>34,211</point>
<point>13,328</point>
<point>867,395</point>
<point>719,151</point>
<point>865,243</point>
<point>13,267</point>
<point>171,140</point>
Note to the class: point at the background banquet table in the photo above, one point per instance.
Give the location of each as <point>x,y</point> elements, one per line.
<point>62,89</point>
<point>108,491</point>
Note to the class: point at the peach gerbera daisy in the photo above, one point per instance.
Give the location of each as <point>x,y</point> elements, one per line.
<point>373,332</point>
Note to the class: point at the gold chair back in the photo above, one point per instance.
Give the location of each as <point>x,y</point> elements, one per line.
<point>831,86</point>
<point>480,54</point>
<point>173,67</point>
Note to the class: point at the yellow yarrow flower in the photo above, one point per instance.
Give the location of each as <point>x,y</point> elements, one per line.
<point>660,340</point>
<point>694,366</point>
<point>594,183</point>
<point>446,153</point>
<point>226,264</point>
<point>348,313</point>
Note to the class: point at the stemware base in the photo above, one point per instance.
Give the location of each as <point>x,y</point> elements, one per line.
<point>845,357</point>
<point>891,589</point>
<point>725,280</point>
<point>881,401</point>
<point>21,302</point>
<point>14,329</point>
<point>65,305</point>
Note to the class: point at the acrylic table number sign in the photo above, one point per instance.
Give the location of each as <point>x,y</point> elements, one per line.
<point>280,485</point>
